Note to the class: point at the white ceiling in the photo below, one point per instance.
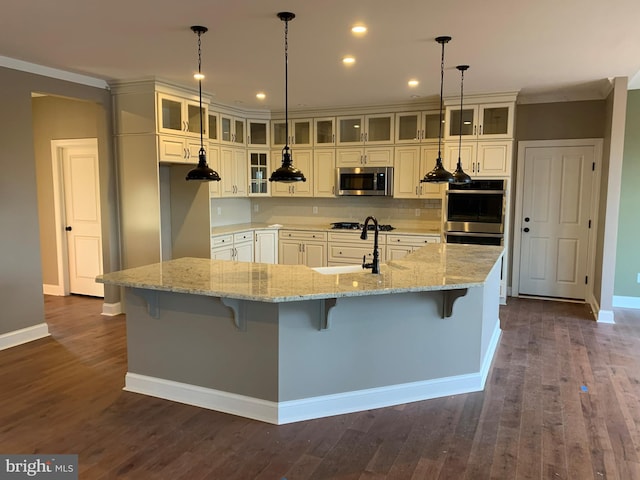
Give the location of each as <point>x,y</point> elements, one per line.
<point>544,49</point>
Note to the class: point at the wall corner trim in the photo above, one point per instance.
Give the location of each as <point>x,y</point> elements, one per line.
<point>28,67</point>
<point>24,335</point>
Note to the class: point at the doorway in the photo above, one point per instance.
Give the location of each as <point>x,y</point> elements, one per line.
<point>76,188</point>
<point>555,219</point>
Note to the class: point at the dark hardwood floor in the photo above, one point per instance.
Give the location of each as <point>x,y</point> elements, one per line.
<point>562,402</point>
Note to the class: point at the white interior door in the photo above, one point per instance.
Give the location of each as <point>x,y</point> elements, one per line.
<point>554,229</point>
<point>82,218</point>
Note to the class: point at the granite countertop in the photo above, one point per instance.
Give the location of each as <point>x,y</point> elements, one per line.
<point>429,229</point>
<point>433,267</point>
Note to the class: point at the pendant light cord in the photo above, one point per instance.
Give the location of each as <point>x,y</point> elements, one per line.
<point>286,84</point>
<point>200,91</point>
<point>460,130</point>
<point>441,92</point>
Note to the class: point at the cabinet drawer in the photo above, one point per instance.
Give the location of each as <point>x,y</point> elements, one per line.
<point>243,236</point>
<point>352,254</point>
<point>412,240</point>
<point>354,237</point>
<point>303,235</point>
<point>221,240</point>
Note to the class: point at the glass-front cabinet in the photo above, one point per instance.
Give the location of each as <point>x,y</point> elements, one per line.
<point>258,173</point>
<point>232,130</point>
<point>214,134</point>
<point>300,132</point>
<point>369,129</point>
<point>482,121</point>
<point>324,131</point>
<point>414,127</point>
<point>258,133</point>
<point>180,116</point>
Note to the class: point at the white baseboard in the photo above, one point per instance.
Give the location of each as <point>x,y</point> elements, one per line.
<point>605,316</point>
<point>491,350</point>
<point>56,290</point>
<point>24,335</point>
<point>112,309</point>
<point>280,413</point>
<point>626,302</point>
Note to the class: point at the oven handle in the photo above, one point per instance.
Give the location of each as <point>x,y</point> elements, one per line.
<point>472,234</point>
<point>467,192</point>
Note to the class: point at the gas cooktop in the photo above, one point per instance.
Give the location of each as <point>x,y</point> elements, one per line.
<point>359,226</point>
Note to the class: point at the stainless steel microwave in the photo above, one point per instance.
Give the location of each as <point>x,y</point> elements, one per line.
<point>364,181</point>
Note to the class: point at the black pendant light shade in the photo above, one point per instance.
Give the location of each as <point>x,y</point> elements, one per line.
<point>459,176</point>
<point>439,174</point>
<point>202,171</point>
<point>287,172</point>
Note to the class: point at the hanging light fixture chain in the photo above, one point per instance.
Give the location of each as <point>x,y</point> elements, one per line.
<point>200,89</point>
<point>461,94</point>
<point>442,42</point>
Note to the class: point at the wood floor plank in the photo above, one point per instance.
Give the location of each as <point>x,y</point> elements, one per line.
<point>562,401</point>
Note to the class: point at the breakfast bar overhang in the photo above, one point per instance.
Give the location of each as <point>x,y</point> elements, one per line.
<point>284,343</point>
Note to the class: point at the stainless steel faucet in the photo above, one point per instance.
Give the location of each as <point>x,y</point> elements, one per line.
<point>375,265</point>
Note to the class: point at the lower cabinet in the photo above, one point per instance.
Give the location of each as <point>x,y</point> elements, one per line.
<point>302,247</point>
<point>400,245</point>
<point>346,248</point>
<point>236,246</point>
<point>266,246</point>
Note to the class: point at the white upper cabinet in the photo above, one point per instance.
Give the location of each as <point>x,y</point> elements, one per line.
<point>416,127</point>
<point>324,131</point>
<point>300,132</point>
<point>232,130</point>
<point>366,129</point>
<point>480,121</point>
<point>258,173</point>
<point>302,160</point>
<point>214,127</point>
<point>481,159</point>
<point>258,133</point>
<point>411,163</point>
<point>324,172</point>
<point>180,116</point>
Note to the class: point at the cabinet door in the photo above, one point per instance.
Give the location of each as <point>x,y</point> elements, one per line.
<point>244,251</point>
<point>315,254</point>
<point>432,125</point>
<point>350,130</point>
<point>289,252</point>
<point>213,159</point>
<point>379,128</point>
<point>258,133</point>
<point>258,173</point>
<point>349,157</point>
<point>469,125</point>
<point>396,252</point>
<point>324,131</point>
<point>222,253</point>
<point>266,247</point>
<point>193,151</point>
<point>467,157</point>
<point>171,149</point>
<point>495,120</point>
<point>324,172</point>
<point>428,155</point>
<point>406,174</point>
<point>408,127</point>
<point>302,160</point>
<point>241,172</point>
<point>494,159</point>
<point>378,157</point>
<point>171,117</point>
<point>301,132</point>
<point>192,113</point>
<point>214,128</point>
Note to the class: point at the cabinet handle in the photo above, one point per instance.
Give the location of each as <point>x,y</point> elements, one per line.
<point>333,138</point>
<point>365,159</point>
<point>477,167</point>
<point>474,129</point>
<point>416,190</point>
<point>480,131</point>
<point>366,137</point>
<point>422,135</point>
<point>333,189</point>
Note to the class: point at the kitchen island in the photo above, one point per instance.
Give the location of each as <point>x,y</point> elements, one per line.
<point>283,343</point>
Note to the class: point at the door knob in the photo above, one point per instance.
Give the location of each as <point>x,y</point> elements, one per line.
<point>68,228</point>
<point>526,219</point>
<point>526,229</point>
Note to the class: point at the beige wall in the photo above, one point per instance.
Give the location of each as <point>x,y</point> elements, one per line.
<point>55,118</point>
<point>21,300</point>
<point>562,120</point>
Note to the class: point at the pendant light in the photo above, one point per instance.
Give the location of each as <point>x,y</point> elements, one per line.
<point>287,172</point>
<point>459,177</point>
<point>202,171</point>
<point>439,174</point>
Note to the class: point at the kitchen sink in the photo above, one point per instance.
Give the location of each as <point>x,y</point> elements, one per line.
<point>341,269</point>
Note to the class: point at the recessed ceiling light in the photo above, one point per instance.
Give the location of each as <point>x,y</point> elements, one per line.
<point>359,29</point>
<point>413,83</point>
<point>348,60</point>
<point>198,76</point>
<point>260,96</point>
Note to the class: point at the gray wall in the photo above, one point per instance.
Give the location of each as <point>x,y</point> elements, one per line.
<point>21,277</point>
<point>628,258</point>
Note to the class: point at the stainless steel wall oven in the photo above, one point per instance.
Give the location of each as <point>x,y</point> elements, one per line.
<point>475,212</point>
